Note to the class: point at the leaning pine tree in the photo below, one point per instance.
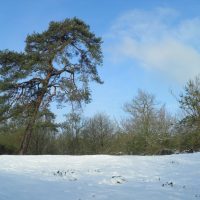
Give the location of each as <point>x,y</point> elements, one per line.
<point>57,65</point>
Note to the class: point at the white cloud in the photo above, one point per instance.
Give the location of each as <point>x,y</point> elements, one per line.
<point>159,40</point>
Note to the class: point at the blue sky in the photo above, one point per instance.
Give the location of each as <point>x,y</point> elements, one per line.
<point>153,45</point>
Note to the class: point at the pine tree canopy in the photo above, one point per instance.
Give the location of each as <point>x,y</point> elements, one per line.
<point>56,65</point>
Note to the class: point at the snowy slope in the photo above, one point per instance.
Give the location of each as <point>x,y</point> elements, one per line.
<point>100,177</point>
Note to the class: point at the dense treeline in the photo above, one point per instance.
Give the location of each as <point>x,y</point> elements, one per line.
<point>149,129</point>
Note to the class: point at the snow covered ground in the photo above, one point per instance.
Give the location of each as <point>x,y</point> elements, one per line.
<point>100,177</point>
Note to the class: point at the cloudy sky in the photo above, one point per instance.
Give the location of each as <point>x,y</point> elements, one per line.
<point>152,45</point>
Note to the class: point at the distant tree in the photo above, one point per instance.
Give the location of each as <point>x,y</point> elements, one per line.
<point>98,133</point>
<point>189,126</point>
<point>149,126</point>
<point>71,133</point>
<point>57,64</point>
<point>142,111</point>
<point>190,103</point>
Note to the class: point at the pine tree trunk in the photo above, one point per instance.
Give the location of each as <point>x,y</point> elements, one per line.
<point>27,137</point>
<point>29,129</point>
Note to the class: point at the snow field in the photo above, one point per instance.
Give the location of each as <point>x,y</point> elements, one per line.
<point>100,177</point>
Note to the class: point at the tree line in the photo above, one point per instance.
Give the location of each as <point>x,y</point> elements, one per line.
<point>57,65</point>
<point>149,129</point>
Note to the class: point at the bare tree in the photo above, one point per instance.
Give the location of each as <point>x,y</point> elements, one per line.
<point>149,123</point>
<point>98,131</point>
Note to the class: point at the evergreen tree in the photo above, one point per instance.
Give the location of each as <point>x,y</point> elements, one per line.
<point>56,64</point>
